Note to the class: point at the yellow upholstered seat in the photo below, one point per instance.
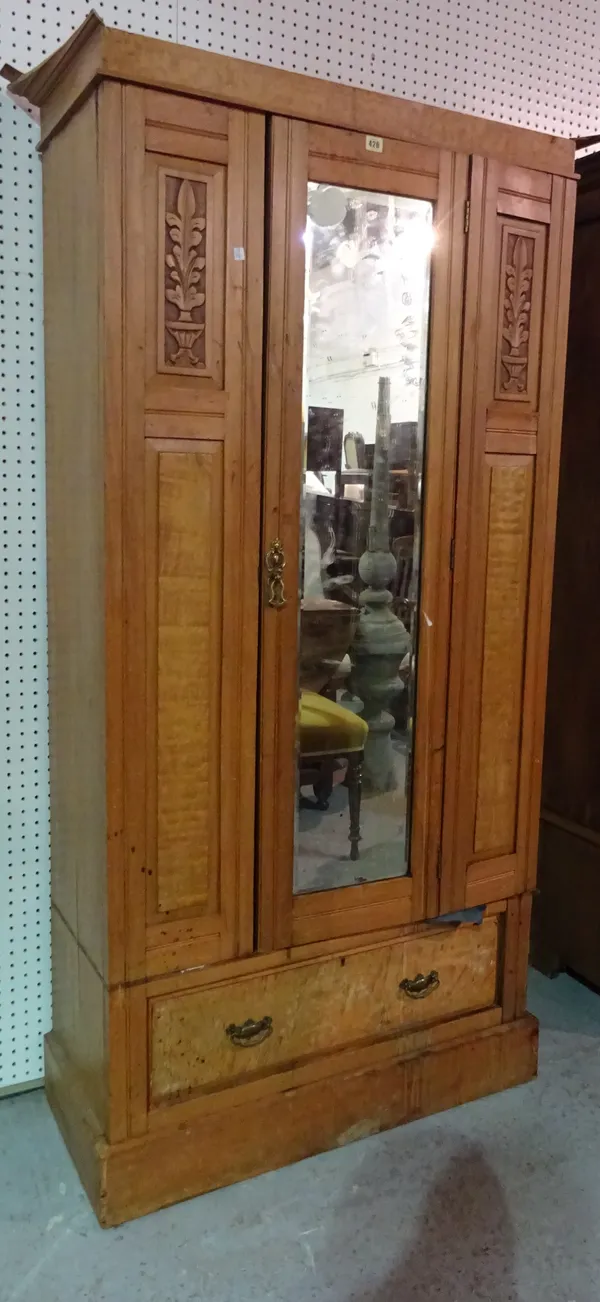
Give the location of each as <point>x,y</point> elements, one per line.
<point>326,728</point>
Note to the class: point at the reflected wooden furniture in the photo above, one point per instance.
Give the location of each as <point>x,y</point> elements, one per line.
<point>566,917</point>
<point>327,628</point>
<point>328,732</point>
<point>208,1024</point>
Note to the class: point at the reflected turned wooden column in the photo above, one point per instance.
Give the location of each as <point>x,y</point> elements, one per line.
<point>381,640</point>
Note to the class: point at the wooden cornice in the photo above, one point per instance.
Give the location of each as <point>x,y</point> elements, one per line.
<point>96,51</point>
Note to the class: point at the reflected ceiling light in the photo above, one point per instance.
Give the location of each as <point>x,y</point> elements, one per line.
<point>327,206</point>
<point>419,238</point>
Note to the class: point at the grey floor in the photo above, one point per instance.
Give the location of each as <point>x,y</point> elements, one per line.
<point>322,858</point>
<point>497,1201</point>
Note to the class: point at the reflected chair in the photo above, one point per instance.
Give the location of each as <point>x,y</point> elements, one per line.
<point>328,732</point>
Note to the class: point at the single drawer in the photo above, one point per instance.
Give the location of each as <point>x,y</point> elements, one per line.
<point>223,1033</point>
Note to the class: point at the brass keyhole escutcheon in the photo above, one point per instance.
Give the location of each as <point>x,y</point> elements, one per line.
<point>275,565</point>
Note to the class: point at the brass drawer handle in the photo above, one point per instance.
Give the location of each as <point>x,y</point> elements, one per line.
<point>420,986</point>
<point>250,1032</point>
<point>275,564</point>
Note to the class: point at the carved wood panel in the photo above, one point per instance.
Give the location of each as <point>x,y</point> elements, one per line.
<point>516,313</point>
<point>188,677</point>
<point>191,220</point>
<point>521,288</point>
<point>509,483</point>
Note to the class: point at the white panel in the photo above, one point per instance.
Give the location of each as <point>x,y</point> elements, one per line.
<point>534,63</point>
<point>32,29</point>
<point>29,31</point>
<point>24,874</point>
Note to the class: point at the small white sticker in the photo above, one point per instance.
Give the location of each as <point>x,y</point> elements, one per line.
<point>239,255</point>
<point>374,144</point>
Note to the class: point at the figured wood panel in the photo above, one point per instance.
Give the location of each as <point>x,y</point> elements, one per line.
<point>317,1007</point>
<point>516,296</point>
<point>189,620</point>
<point>510,487</point>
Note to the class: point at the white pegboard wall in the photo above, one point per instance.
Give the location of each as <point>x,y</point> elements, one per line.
<point>534,64</point>
<point>28,31</point>
<point>32,29</point>
<point>24,876</point>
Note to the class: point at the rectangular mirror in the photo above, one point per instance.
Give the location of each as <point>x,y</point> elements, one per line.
<point>364,389</point>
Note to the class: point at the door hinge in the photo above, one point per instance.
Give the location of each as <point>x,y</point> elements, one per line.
<point>467,215</point>
<point>452,555</point>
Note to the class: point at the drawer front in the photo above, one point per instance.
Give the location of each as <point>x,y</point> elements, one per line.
<point>202,1038</point>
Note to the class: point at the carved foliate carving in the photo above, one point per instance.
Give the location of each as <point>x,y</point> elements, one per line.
<point>184,341</point>
<point>516,316</point>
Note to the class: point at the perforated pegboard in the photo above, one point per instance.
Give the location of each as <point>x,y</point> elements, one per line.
<point>24,939</point>
<point>28,31</point>
<point>534,64</point>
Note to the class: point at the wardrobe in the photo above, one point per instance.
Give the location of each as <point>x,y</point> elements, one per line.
<point>304,371</point>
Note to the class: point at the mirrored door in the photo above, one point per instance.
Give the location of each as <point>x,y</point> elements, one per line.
<point>352,407</point>
<point>366,312</point>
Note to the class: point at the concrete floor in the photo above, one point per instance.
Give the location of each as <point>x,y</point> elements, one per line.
<point>497,1201</point>
<point>322,854</point>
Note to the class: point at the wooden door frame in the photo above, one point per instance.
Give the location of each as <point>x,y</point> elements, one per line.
<point>300,152</point>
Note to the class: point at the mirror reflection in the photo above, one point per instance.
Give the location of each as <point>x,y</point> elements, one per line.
<point>365,354</point>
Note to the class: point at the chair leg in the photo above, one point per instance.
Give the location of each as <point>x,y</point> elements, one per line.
<point>354,784</point>
<point>323,786</point>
